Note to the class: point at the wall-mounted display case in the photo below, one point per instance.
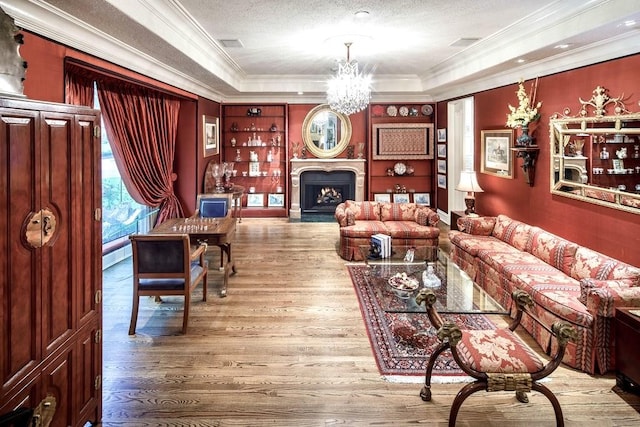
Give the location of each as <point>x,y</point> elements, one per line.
<point>254,138</point>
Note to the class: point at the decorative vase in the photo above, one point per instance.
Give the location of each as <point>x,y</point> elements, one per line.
<point>524,140</point>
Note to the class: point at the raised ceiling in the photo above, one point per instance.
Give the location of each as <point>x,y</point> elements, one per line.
<point>414,49</point>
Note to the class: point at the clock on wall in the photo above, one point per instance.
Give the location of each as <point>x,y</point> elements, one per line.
<point>400,168</point>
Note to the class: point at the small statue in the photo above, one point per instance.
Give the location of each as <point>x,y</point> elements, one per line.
<point>622,153</point>
<point>350,152</point>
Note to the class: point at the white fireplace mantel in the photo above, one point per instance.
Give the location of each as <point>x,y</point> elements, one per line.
<point>327,165</point>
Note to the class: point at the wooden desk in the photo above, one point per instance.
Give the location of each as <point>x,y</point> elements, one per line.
<point>627,350</point>
<point>214,231</point>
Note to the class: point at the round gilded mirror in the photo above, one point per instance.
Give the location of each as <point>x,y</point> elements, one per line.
<point>326,133</point>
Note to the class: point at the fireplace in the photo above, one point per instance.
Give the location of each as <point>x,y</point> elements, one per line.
<point>354,190</point>
<point>321,192</point>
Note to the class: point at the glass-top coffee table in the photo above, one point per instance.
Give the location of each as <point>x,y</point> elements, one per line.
<point>421,254</point>
<point>457,293</point>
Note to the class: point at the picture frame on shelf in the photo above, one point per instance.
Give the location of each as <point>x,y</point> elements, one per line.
<point>275,200</point>
<point>254,168</point>
<point>400,197</point>
<point>442,150</point>
<point>255,200</point>
<point>382,197</point>
<point>496,155</point>
<point>442,135</point>
<point>210,135</point>
<point>442,181</point>
<point>442,166</point>
<point>618,164</point>
<point>422,199</point>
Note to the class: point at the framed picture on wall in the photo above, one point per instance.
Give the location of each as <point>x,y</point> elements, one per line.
<point>422,199</point>
<point>442,150</point>
<point>442,135</point>
<point>442,181</point>
<point>495,147</point>
<point>210,137</point>
<point>442,166</point>
<point>402,141</point>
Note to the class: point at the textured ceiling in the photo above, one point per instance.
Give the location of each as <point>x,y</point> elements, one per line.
<point>292,45</point>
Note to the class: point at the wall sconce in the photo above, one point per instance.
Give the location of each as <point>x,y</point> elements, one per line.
<point>469,183</point>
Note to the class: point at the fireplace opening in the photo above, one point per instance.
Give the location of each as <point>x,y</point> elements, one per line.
<point>321,192</point>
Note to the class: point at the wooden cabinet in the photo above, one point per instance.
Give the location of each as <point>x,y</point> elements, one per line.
<point>255,139</point>
<point>627,328</point>
<point>50,241</point>
<point>385,175</point>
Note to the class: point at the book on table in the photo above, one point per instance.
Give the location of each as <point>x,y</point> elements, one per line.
<point>382,243</point>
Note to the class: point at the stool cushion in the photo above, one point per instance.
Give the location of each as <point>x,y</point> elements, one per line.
<point>497,350</point>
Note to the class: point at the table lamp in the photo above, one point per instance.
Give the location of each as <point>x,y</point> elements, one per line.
<point>469,183</point>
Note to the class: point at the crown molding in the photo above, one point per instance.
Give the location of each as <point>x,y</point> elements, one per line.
<point>47,21</point>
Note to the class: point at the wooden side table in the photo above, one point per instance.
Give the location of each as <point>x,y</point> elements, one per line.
<point>454,219</point>
<point>627,349</point>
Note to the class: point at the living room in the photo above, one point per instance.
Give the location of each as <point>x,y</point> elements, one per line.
<point>611,231</point>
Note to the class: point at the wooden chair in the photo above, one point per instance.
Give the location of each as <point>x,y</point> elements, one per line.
<point>496,358</point>
<point>165,264</point>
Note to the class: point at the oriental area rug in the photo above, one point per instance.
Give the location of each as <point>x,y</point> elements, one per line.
<point>402,342</point>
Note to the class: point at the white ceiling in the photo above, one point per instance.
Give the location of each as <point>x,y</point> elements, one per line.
<point>291,46</point>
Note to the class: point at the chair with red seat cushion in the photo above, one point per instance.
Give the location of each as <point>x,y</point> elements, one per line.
<point>497,359</point>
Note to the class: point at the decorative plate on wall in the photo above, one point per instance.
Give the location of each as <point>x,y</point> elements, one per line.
<point>427,109</point>
<point>377,110</point>
<point>404,111</point>
<point>392,111</point>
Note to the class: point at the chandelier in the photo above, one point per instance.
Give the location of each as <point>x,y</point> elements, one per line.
<point>349,91</point>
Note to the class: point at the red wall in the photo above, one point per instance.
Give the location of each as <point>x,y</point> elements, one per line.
<point>607,230</point>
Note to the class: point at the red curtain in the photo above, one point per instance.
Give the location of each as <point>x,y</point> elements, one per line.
<point>141,125</point>
<point>78,85</point>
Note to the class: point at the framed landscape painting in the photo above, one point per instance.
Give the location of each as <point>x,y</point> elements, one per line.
<point>442,181</point>
<point>382,197</point>
<point>401,198</point>
<point>255,200</point>
<point>442,166</point>
<point>495,146</point>
<point>422,199</point>
<point>275,199</point>
<point>210,137</point>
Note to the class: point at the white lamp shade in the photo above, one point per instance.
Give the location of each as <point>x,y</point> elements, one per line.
<point>468,182</point>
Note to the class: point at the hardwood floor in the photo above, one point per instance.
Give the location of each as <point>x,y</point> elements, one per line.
<point>288,347</point>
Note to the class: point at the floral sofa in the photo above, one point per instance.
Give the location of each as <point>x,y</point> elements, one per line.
<point>408,224</point>
<point>567,282</point>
